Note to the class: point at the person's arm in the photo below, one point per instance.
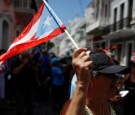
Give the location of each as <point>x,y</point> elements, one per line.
<point>77,105</point>
<point>82,65</point>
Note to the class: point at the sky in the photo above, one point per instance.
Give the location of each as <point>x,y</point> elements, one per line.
<point>67,10</point>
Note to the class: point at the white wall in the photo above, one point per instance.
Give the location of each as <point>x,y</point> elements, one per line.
<point>89,15</point>
<point>133,14</point>
<point>117,4</point>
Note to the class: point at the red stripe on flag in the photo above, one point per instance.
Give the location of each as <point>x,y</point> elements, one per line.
<point>31,43</point>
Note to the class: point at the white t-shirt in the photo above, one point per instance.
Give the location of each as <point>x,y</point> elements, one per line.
<point>73,85</point>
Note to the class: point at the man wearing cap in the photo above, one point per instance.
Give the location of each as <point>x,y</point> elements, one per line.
<point>96,78</point>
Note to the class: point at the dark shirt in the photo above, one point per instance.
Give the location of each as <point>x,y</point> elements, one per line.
<point>129,101</point>
<point>25,80</point>
<point>131,87</point>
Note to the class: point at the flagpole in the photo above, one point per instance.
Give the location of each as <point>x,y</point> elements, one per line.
<point>71,38</point>
<point>57,19</point>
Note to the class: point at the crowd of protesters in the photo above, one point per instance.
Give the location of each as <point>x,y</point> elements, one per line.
<point>36,76</point>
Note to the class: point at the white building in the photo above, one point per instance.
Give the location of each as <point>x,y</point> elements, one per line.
<point>98,21</point>
<point>77,30</point>
<point>65,44</point>
<point>122,35</point>
<point>113,27</point>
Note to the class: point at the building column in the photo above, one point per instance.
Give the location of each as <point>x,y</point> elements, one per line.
<point>98,10</point>
<point>133,15</point>
<point>126,14</point>
<point>126,9</point>
<point>133,9</point>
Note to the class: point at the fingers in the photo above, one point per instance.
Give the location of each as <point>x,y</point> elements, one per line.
<point>86,58</point>
<point>81,54</point>
<point>81,60</point>
<point>78,51</point>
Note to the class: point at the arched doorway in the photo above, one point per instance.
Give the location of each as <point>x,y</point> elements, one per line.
<point>5,34</point>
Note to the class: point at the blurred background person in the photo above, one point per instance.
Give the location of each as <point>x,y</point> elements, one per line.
<point>58,79</point>
<point>26,75</point>
<point>129,101</point>
<point>2,79</point>
<point>45,74</point>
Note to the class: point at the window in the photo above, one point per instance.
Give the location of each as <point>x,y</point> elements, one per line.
<point>122,16</point>
<point>24,3</point>
<point>16,3</point>
<point>129,50</point>
<point>5,35</point>
<point>106,10</point>
<point>129,53</point>
<point>96,11</point>
<point>130,10</point>
<point>115,19</point>
<point>19,3</point>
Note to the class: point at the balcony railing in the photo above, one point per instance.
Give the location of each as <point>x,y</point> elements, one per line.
<point>124,23</point>
<point>115,26</point>
<point>121,24</point>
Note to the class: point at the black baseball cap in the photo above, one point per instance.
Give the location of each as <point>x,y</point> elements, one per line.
<point>102,63</point>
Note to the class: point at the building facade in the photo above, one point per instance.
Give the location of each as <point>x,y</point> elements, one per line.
<point>7,22</point>
<point>122,35</point>
<point>100,22</point>
<point>12,21</point>
<point>113,27</point>
<point>77,30</point>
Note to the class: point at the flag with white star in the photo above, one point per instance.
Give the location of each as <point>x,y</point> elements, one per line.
<point>43,27</point>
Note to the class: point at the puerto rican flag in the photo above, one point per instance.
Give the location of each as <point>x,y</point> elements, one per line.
<point>43,27</point>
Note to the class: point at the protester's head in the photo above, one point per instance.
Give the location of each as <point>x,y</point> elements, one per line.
<point>105,74</point>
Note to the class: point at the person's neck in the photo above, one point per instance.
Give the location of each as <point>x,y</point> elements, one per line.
<point>100,107</point>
